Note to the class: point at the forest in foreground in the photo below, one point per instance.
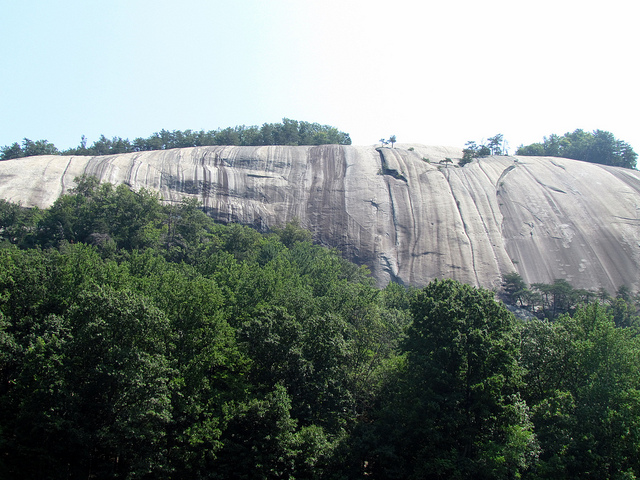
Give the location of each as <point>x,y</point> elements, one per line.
<point>143,340</point>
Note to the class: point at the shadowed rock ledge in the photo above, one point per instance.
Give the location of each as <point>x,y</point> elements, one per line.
<point>399,211</point>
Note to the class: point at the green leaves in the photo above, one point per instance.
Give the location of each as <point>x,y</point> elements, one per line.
<point>456,412</point>
<point>598,146</point>
<point>582,387</point>
<point>183,348</point>
<point>289,132</point>
<point>28,149</point>
<point>91,391</point>
<point>120,376</point>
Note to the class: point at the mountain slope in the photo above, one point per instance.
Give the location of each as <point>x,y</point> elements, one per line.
<point>409,219</point>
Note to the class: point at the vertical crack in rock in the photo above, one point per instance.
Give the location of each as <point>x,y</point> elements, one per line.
<point>64,175</point>
<point>498,216</point>
<point>408,211</point>
<point>465,228</point>
<point>501,208</point>
<point>394,216</point>
<point>132,173</point>
<point>326,204</point>
<point>205,181</point>
<point>483,212</point>
<point>392,265</point>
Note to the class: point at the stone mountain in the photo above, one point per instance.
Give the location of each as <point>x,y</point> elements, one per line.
<point>408,213</point>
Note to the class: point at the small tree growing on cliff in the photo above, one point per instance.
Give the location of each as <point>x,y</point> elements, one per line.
<point>496,144</point>
<point>392,140</point>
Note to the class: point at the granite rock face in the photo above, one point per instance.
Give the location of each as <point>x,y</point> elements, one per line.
<point>407,212</point>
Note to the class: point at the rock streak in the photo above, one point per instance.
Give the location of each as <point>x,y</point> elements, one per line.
<point>407,213</point>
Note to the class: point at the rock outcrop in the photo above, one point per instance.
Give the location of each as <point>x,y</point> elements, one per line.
<point>408,213</point>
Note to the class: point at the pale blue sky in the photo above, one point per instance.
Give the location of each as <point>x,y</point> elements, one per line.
<point>433,72</point>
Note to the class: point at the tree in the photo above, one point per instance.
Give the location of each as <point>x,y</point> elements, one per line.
<point>559,297</point>
<point>456,412</point>
<point>92,393</point>
<point>468,153</point>
<point>496,144</point>
<point>289,132</point>
<point>17,224</point>
<point>132,219</point>
<point>29,148</point>
<point>582,386</point>
<point>598,146</point>
<point>473,150</point>
<point>292,233</point>
<point>12,151</point>
<point>533,150</point>
<point>514,288</point>
<point>39,147</point>
<point>392,140</point>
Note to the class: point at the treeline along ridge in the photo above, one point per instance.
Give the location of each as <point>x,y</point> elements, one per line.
<point>289,132</point>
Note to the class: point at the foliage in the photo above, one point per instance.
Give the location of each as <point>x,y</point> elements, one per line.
<point>142,340</point>
<point>456,411</point>
<point>552,300</point>
<point>392,140</point>
<point>582,387</point>
<point>598,146</point>
<point>289,132</point>
<point>28,148</point>
<point>514,288</point>
<point>495,146</point>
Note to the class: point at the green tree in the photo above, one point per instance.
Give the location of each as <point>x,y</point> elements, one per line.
<point>496,144</point>
<point>514,288</point>
<point>292,233</point>
<point>558,297</point>
<point>473,150</point>
<point>39,147</point>
<point>289,132</point>
<point>133,219</point>
<point>533,150</point>
<point>29,148</point>
<point>17,224</point>
<point>11,151</point>
<point>598,146</point>
<point>582,385</point>
<point>92,393</point>
<point>456,412</point>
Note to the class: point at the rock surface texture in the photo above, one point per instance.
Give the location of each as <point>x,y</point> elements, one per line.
<point>407,212</point>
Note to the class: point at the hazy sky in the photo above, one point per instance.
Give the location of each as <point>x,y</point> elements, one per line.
<point>433,72</point>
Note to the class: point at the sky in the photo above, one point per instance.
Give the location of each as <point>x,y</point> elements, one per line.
<point>431,72</point>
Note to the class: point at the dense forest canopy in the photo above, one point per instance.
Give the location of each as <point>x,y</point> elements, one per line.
<point>598,146</point>
<point>289,132</point>
<point>143,340</point>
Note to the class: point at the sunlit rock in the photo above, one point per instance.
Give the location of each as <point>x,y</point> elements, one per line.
<point>408,213</point>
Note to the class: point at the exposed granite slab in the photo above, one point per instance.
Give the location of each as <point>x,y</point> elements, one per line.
<point>400,211</point>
